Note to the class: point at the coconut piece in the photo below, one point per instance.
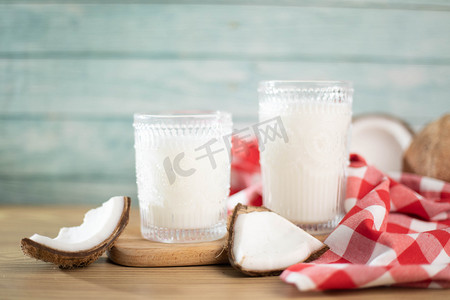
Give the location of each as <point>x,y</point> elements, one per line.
<point>81,245</point>
<point>381,140</point>
<point>429,152</point>
<point>262,243</point>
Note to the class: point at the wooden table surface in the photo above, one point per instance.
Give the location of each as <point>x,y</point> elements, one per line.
<point>22,277</point>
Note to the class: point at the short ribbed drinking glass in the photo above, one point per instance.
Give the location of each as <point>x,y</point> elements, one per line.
<point>304,173</point>
<point>183,175</point>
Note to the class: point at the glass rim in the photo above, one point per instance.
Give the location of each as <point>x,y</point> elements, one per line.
<point>341,83</point>
<point>188,114</point>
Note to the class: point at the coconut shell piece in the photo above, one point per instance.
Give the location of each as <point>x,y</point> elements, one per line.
<point>241,209</point>
<point>75,259</point>
<point>381,139</point>
<point>429,152</point>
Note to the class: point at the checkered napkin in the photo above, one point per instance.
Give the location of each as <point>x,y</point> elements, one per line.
<point>396,232</point>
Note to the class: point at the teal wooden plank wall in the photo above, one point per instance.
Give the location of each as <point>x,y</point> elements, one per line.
<point>72,74</point>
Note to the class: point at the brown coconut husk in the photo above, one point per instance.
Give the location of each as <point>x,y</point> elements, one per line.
<point>429,152</point>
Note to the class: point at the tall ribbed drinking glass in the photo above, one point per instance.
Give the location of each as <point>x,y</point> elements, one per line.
<point>304,175</point>
<point>183,175</point>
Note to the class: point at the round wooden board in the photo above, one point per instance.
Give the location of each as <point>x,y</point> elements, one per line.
<point>131,249</point>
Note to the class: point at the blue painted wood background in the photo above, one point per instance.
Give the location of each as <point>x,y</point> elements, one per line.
<point>73,73</point>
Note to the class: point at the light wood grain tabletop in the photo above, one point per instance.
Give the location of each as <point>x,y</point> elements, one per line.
<point>22,277</point>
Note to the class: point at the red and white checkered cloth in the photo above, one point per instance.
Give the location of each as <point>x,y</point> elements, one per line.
<point>395,232</point>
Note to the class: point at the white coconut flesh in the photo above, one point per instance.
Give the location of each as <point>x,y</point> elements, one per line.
<point>265,241</point>
<point>381,140</point>
<point>98,225</point>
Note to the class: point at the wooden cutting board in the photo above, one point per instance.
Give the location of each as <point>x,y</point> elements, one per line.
<point>132,250</point>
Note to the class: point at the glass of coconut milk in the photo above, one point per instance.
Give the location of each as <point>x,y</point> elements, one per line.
<point>183,175</point>
<point>304,175</point>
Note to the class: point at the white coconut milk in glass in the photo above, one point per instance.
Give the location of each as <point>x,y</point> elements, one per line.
<point>183,175</point>
<point>304,176</point>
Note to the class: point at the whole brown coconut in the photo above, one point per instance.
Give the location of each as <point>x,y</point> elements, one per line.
<point>429,152</point>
